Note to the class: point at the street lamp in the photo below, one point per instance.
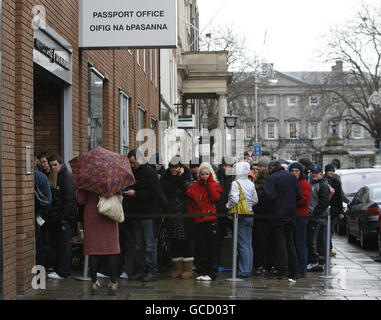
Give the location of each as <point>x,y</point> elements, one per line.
<point>230,120</point>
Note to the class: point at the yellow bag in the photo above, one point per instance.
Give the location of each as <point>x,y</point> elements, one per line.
<point>241,207</point>
<point>111,207</point>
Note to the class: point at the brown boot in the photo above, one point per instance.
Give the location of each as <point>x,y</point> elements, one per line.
<point>188,267</point>
<point>179,268</point>
<point>112,288</point>
<point>95,287</point>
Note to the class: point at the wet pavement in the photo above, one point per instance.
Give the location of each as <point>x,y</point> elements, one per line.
<point>356,276</point>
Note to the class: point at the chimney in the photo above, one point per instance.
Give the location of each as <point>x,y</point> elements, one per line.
<point>338,67</point>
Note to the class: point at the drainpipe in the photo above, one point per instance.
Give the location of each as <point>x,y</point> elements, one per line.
<point>1,163</point>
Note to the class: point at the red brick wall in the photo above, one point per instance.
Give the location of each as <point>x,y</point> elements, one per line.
<point>18,130</point>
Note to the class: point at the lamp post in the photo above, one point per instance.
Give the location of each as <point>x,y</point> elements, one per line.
<point>267,70</point>
<point>230,121</point>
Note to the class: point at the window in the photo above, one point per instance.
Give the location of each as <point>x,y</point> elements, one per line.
<point>314,130</point>
<point>156,72</point>
<point>124,102</point>
<point>271,130</point>
<point>270,101</point>
<point>95,109</point>
<point>141,116</point>
<point>291,101</point>
<point>138,56</point>
<point>336,128</point>
<point>292,130</point>
<point>314,100</point>
<point>153,124</point>
<point>357,131</point>
<point>144,61</point>
<point>150,65</point>
<point>249,131</point>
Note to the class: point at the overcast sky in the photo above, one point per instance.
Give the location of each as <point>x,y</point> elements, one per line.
<point>293,28</point>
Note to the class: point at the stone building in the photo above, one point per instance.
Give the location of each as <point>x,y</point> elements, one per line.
<point>297,119</point>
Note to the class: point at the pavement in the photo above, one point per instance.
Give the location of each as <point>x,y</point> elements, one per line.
<point>356,276</point>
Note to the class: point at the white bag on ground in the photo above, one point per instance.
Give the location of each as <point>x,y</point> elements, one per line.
<point>111,207</point>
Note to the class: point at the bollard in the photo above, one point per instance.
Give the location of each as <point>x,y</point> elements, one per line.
<point>235,240</point>
<point>328,250</point>
<point>85,270</point>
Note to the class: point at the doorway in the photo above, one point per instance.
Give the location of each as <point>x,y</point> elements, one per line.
<point>48,100</point>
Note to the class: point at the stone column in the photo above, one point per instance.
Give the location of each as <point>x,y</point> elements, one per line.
<point>222,111</point>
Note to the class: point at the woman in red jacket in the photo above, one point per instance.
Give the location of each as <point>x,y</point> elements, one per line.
<point>203,195</point>
<point>302,216</point>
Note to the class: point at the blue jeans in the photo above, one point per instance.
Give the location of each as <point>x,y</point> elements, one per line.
<point>145,246</point>
<point>245,247</point>
<point>301,242</point>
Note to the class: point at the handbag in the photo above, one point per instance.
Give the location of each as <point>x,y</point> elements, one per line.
<point>241,207</point>
<point>111,207</point>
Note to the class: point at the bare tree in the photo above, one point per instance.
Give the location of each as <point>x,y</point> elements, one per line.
<point>358,45</point>
<point>240,61</point>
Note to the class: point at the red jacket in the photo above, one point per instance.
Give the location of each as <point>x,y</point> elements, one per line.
<point>202,198</point>
<point>303,204</point>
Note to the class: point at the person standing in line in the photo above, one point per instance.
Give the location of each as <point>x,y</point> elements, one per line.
<point>175,182</point>
<point>282,189</point>
<point>225,178</point>
<point>308,165</point>
<point>43,166</point>
<point>261,241</point>
<point>203,196</point>
<point>101,241</point>
<point>318,211</point>
<point>245,224</point>
<point>42,183</point>
<point>144,197</point>
<point>61,214</point>
<point>194,166</point>
<point>302,216</point>
<point>336,202</point>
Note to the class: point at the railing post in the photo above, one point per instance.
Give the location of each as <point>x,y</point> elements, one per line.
<point>235,240</point>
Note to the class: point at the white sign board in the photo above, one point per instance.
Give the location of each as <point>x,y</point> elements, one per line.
<point>127,23</point>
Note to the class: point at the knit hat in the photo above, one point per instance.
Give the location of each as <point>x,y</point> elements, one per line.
<point>296,165</point>
<point>329,167</point>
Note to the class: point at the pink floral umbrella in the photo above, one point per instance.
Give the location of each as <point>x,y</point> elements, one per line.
<point>102,171</point>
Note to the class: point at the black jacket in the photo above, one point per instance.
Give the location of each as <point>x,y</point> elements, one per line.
<point>149,197</point>
<point>283,192</point>
<point>262,207</point>
<point>225,182</point>
<point>174,188</point>
<point>336,201</point>
<point>64,198</point>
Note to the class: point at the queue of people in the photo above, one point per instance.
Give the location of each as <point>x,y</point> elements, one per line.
<point>282,234</point>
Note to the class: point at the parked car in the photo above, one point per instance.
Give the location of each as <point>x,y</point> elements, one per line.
<point>379,235</point>
<point>363,215</point>
<point>352,180</point>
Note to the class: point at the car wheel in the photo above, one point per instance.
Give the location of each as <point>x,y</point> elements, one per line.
<point>364,241</point>
<point>351,239</point>
<point>379,241</point>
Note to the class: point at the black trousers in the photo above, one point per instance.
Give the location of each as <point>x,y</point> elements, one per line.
<point>261,244</point>
<point>224,223</point>
<point>283,239</point>
<point>181,248</point>
<point>315,242</point>
<point>205,241</point>
<point>107,261</point>
<point>40,252</point>
<point>59,247</point>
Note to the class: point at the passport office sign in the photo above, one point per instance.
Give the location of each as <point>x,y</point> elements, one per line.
<point>127,23</point>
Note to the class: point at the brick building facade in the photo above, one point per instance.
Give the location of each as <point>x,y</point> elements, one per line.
<point>45,106</point>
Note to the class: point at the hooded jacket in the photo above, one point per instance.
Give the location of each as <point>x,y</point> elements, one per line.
<point>303,204</point>
<point>283,192</point>
<point>248,187</point>
<point>202,198</point>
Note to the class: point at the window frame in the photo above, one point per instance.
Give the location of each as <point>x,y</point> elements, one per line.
<point>126,118</point>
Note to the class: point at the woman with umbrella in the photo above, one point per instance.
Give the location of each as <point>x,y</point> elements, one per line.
<point>100,173</point>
